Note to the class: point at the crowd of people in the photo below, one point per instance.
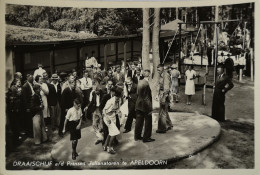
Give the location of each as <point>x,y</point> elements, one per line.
<point>110,99</point>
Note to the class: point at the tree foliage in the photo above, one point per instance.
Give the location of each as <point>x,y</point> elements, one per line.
<point>99,21</point>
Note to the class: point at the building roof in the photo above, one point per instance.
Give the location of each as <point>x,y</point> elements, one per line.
<point>174,26</point>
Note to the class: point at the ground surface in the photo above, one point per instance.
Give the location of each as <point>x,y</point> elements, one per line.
<point>178,143</point>
<point>234,149</point>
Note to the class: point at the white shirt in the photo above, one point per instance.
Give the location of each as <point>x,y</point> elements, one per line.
<point>91,62</point>
<point>73,114</point>
<point>39,71</point>
<point>110,105</point>
<point>55,85</point>
<point>86,83</point>
<point>242,61</point>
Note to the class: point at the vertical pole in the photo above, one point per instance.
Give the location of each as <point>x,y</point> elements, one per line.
<point>177,13</point>
<point>99,59</point>
<point>125,53</point>
<point>244,37</point>
<point>105,56</point>
<point>252,63</point>
<point>132,49</point>
<point>52,60</point>
<point>116,50</point>
<point>78,58</point>
<point>216,55</point>
<point>179,60</point>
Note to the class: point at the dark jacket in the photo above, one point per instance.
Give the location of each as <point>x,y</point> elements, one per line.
<point>36,102</point>
<point>52,97</point>
<point>68,96</point>
<point>135,79</point>
<point>223,83</point>
<point>26,96</point>
<point>93,103</point>
<point>144,97</point>
<point>13,100</point>
<point>132,97</point>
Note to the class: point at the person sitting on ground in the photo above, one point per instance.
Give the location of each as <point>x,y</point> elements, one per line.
<point>74,119</point>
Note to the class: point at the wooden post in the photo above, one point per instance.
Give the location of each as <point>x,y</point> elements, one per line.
<point>78,58</point>
<point>116,50</point>
<point>99,59</point>
<point>52,60</point>
<point>125,53</point>
<point>216,56</point>
<point>240,74</point>
<point>204,95</point>
<point>178,60</point>
<point>252,64</point>
<point>105,56</point>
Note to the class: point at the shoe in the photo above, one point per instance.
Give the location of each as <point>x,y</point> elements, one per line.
<point>111,150</point>
<point>98,142</point>
<point>169,128</point>
<point>148,140</point>
<point>74,156</point>
<point>177,101</point>
<point>46,129</point>
<point>160,132</point>
<point>126,131</point>
<point>141,138</point>
<point>104,148</point>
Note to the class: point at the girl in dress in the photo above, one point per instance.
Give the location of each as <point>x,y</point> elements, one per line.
<point>74,119</point>
<point>110,111</point>
<point>190,75</point>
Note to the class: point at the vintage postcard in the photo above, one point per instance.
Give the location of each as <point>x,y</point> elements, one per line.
<point>122,86</point>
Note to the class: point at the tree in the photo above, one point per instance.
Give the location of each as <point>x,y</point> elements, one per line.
<point>146,39</point>
<point>155,40</point>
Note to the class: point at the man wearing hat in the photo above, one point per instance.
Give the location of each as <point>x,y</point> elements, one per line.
<point>55,108</point>
<point>175,76</point>
<point>39,71</point>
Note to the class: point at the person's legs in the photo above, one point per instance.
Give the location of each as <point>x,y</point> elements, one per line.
<point>37,129</point>
<point>110,149</point>
<point>129,121</point>
<point>62,119</point>
<point>139,125</point>
<point>74,147</point>
<point>106,143</point>
<point>147,127</point>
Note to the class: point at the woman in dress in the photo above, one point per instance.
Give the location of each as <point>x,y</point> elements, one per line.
<point>110,111</point>
<point>190,75</point>
<point>38,121</point>
<point>44,93</point>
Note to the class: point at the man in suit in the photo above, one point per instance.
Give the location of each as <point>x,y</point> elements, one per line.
<point>118,76</point>
<point>27,93</point>
<point>229,66</point>
<point>94,110</point>
<point>223,84</point>
<point>137,76</point>
<point>144,109</point>
<point>67,97</point>
<point>131,96</point>
<point>54,99</point>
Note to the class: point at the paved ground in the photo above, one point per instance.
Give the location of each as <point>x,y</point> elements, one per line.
<point>191,133</point>
<point>234,149</point>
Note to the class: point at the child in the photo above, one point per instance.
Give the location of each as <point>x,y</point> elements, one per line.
<point>74,119</point>
<point>110,111</point>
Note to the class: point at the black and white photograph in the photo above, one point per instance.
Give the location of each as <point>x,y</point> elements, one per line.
<point>128,87</point>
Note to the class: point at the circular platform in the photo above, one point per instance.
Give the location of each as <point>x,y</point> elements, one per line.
<point>191,133</point>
